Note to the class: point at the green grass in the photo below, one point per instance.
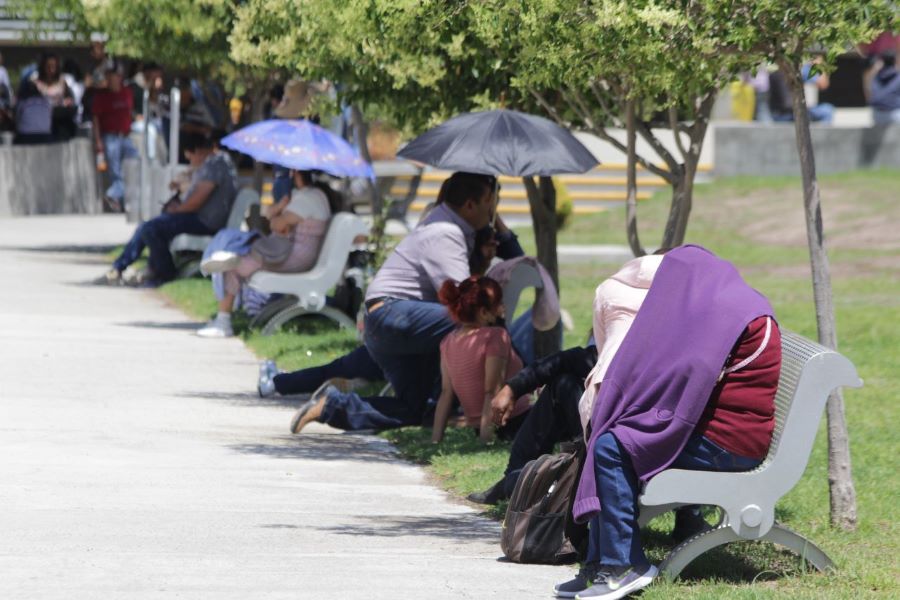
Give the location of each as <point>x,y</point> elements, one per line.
<point>756,223</point>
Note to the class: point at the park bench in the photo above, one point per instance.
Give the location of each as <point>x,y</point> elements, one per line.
<point>305,293</point>
<point>187,249</point>
<point>809,373</point>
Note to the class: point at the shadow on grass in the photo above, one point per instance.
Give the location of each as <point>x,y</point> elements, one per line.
<point>464,527</point>
<point>311,446</point>
<point>414,443</point>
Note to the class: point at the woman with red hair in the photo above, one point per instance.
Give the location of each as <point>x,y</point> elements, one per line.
<point>476,358</point>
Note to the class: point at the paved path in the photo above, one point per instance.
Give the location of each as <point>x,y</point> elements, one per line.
<point>137,461</point>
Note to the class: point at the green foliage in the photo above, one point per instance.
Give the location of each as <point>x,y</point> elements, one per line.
<point>183,34</point>
<point>44,16</point>
<point>564,205</point>
<point>413,63</point>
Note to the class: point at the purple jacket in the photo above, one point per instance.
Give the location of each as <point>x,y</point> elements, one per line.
<point>660,380</point>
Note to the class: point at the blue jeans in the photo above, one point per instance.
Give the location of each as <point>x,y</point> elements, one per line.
<point>157,234</point>
<point>356,364</point>
<point>117,148</point>
<point>281,183</point>
<point>614,539</point>
<point>404,338</point>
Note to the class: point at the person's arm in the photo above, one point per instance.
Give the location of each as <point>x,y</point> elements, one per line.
<point>494,368</point>
<point>577,362</point>
<point>445,403</point>
<point>276,209</point>
<point>196,200</point>
<point>285,222</point>
<point>508,245</point>
<point>445,255</point>
<point>98,137</point>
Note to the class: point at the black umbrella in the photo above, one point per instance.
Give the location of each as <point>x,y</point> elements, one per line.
<point>501,142</point>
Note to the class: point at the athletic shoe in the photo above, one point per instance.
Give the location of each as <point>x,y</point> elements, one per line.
<point>688,523</point>
<point>216,329</point>
<point>220,261</point>
<point>612,585</point>
<point>492,496</point>
<point>311,409</point>
<point>266,385</point>
<point>111,277</point>
<point>581,582</point>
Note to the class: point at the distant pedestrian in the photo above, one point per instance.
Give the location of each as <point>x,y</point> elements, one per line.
<point>112,126</point>
<point>50,83</point>
<point>884,90</point>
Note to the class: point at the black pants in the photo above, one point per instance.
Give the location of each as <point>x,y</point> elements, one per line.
<point>356,364</point>
<point>552,419</point>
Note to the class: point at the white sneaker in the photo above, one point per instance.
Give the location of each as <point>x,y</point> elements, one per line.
<point>220,261</point>
<point>216,329</point>
<point>266,385</point>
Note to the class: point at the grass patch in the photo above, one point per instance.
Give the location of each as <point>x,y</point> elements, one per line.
<point>758,224</point>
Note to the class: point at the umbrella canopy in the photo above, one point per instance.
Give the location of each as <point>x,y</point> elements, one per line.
<point>501,142</point>
<point>301,145</point>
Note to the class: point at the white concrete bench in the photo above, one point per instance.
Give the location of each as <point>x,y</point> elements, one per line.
<point>305,292</point>
<point>809,373</point>
<point>187,249</point>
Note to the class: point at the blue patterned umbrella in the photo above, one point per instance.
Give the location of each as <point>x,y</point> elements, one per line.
<point>301,145</point>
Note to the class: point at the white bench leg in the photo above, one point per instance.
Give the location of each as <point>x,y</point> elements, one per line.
<point>292,312</point>
<point>799,545</point>
<point>685,553</point>
<point>690,549</point>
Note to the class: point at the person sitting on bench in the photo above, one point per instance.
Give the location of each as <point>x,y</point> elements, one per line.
<point>691,387</point>
<point>204,211</point>
<point>299,223</point>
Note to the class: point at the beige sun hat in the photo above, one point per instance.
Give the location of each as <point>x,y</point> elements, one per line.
<point>295,103</point>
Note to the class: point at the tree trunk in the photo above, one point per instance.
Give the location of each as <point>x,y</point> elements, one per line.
<point>631,182</point>
<point>683,179</point>
<point>361,136</point>
<point>257,96</point>
<point>542,199</point>
<point>840,477</point>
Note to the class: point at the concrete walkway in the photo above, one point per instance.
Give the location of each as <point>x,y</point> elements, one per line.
<point>137,461</point>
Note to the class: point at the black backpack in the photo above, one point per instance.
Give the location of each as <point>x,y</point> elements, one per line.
<point>538,526</point>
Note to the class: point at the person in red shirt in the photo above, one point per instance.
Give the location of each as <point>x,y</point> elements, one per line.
<point>112,107</point>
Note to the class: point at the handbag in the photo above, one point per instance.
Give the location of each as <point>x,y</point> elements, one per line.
<point>273,249</point>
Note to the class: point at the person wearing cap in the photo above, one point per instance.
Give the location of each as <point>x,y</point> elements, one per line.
<point>111,112</point>
<point>295,102</point>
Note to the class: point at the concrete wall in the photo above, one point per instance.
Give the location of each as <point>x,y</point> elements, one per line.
<point>771,149</point>
<point>48,179</point>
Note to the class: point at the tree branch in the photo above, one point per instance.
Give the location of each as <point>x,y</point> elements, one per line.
<point>676,131</point>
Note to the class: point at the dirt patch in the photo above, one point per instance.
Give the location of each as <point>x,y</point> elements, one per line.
<point>854,218</point>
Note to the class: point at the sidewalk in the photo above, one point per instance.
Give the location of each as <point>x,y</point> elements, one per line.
<point>138,462</point>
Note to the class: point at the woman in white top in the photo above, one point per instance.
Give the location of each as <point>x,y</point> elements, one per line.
<point>301,217</point>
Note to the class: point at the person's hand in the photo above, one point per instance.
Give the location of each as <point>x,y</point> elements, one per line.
<point>173,185</point>
<point>502,405</point>
<point>99,146</point>
<point>499,225</point>
<point>68,102</point>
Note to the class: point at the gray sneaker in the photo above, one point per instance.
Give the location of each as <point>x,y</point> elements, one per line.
<point>581,581</point>
<point>618,584</point>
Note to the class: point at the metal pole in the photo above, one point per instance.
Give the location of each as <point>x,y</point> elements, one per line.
<point>174,125</point>
<point>145,158</point>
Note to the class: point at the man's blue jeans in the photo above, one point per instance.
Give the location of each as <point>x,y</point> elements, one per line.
<point>157,234</point>
<point>404,338</point>
<point>117,147</point>
<point>614,539</point>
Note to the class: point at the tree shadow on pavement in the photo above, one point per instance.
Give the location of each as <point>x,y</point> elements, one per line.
<point>248,398</point>
<point>184,325</point>
<point>329,446</point>
<point>463,527</point>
